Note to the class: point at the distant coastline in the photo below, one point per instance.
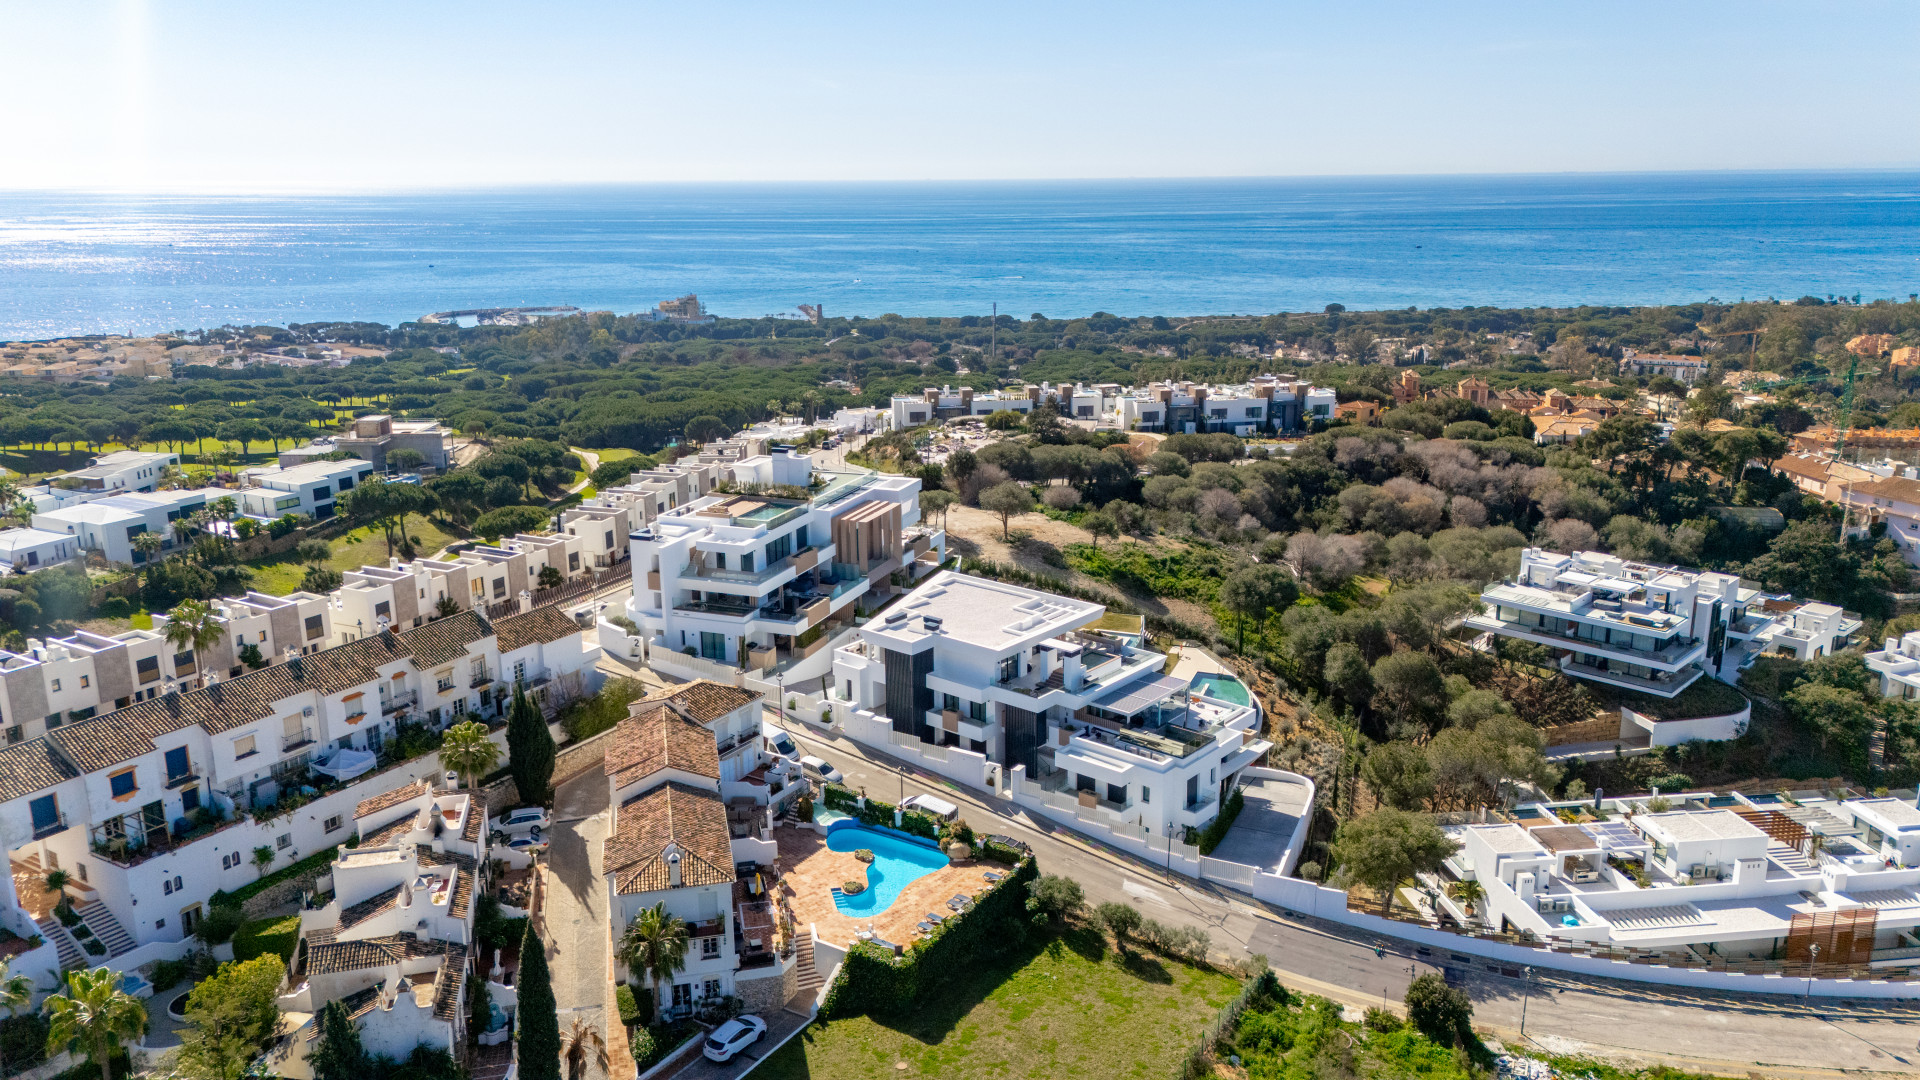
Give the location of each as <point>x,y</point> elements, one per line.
<point>78,264</point>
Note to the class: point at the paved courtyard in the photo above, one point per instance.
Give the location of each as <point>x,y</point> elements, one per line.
<point>1260,835</point>
<point>811,872</point>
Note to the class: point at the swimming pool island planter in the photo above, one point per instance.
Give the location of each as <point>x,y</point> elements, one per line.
<point>873,980</point>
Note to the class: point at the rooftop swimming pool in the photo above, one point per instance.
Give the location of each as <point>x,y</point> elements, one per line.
<point>1221,688</point>
<point>897,861</point>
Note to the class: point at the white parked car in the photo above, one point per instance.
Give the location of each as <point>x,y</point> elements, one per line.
<point>820,771</point>
<point>734,1036</point>
<point>528,845</point>
<point>527,819</point>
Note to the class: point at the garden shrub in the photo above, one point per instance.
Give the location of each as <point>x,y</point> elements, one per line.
<point>1216,829</point>
<point>624,1001</point>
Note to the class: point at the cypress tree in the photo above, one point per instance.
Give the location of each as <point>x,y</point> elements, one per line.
<point>529,749</point>
<point>339,1055</point>
<point>539,1017</point>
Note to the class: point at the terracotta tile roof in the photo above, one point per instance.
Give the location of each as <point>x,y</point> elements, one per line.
<point>539,626</point>
<point>705,700</point>
<point>356,914</point>
<point>476,819</point>
<point>1897,489</point>
<point>31,766</point>
<point>331,958</point>
<point>660,738</point>
<point>358,1004</point>
<point>430,857</point>
<point>1809,467</point>
<point>389,835</point>
<point>388,800</point>
<point>453,972</point>
<point>446,639</point>
<point>693,819</point>
<point>459,904</point>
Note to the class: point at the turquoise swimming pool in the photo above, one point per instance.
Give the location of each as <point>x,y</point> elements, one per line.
<point>896,862</point>
<point>1222,687</point>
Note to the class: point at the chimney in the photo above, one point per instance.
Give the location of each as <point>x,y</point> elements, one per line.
<point>673,867</point>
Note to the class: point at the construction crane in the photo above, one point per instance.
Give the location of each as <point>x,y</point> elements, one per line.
<point>1752,336</point>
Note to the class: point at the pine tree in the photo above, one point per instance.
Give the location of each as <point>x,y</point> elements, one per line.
<point>339,1055</point>
<point>529,749</point>
<point>539,1038</point>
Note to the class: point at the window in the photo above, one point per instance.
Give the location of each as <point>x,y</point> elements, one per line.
<point>15,734</point>
<point>499,588</point>
<point>1146,794</point>
<point>166,887</point>
<point>713,646</point>
<point>977,711</point>
<point>183,661</point>
<point>190,800</point>
<point>682,995</point>
<point>283,841</point>
<point>519,671</point>
<point>383,610</point>
<point>609,537</point>
<point>314,628</point>
<point>86,681</point>
<point>121,784</point>
<point>244,747</point>
<point>710,946</point>
<point>54,720</point>
<point>148,669</point>
<point>56,686</point>
<point>1219,414</point>
<point>444,680</point>
<point>190,918</point>
<point>332,824</point>
<point>228,862</point>
<point>948,701</point>
<point>177,763</point>
<point>1117,793</point>
<point>1010,668</point>
<point>159,924</point>
<point>712,988</point>
<point>573,558</point>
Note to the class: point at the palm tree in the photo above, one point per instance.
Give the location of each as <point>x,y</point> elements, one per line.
<point>467,750</point>
<point>16,991</point>
<point>655,943</point>
<point>579,1042</point>
<point>192,625</point>
<point>94,1016</point>
<point>149,543</point>
<point>57,882</point>
<point>1468,892</point>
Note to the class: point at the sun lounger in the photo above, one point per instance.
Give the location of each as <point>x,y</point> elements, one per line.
<point>936,917</point>
<point>993,875</point>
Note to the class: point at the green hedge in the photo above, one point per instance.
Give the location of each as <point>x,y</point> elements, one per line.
<point>263,936</point>
<point>874,981</point>
<point>880,814</point>
<point>1216,829</point>
<point>312,864</point>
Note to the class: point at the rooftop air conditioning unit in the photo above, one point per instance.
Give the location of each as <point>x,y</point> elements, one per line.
<point>306,710</point>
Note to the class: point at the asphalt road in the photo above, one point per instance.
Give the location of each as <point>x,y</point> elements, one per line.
<point>1740,1034</point>
<point>576,916</point>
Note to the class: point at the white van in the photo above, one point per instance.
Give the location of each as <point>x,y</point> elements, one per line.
<point>779,741</point>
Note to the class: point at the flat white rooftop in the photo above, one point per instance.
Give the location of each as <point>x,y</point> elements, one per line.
<point>1699,825</point>
<point>989,614</point>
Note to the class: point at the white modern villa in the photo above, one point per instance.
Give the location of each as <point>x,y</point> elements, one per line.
<point>1650,628</point>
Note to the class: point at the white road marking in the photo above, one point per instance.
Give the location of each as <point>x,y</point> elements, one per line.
<point>1141,892</point>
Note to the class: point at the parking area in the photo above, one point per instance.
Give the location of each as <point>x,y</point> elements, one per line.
<point>1260,835</point>
<point>781,1026</point>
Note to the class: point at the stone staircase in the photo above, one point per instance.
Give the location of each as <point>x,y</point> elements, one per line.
<point>809,979</point>
<point>1877,746</point>
<point>71,955</point>
<point>107,928</point>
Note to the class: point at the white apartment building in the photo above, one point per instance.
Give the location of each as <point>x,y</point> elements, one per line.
<point>278,628</point>
<point>946,403</point>
<point>674,842</point>
<point>602,532</point>
<point>1650,628</point>
<point>1012,674</point>
<point>1686,369</point>
<point>373,437</point>
<point>309,490</point>
<point>146,805</point>
<point>497,581</point>
<point>120,472</point>
<point>108,525</point>
<point>65,680</point>
<point>741,579</point>
<point>394,941</point>
<point>25,550</point>
<point>1267,403</point>
<point>1727,878</point>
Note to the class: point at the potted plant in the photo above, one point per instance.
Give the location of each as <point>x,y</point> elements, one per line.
<point>1468,892</point>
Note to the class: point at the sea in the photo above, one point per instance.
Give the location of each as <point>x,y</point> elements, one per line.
<point>101,263</point>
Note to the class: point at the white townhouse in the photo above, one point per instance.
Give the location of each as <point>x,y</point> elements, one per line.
<point>109,525</point>
<point>1686,369</point>
<point>496,581</point>
<point>25,550</point>
<point>309,490</point>
<point>1893,502</point>
<point>121,472</point>
<point>1651,628</point>
<point>1275,403</point>
<point>64,680</point>
<point>672,842</point>
<point>749,580</point>
<point>394,941</point>
<point>1737,882</point>
<point>1015,675</point>
<point>148,806</point>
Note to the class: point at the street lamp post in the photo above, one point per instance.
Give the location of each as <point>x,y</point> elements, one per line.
<point>1813,953</point>
<point>1525,995</point>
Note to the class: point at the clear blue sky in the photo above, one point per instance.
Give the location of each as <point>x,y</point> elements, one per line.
<point>297,94</point>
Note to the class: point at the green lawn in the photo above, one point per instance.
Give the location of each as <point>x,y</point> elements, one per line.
<point>263,936</point>
<point>278,575</point>
<point>1072,1008</point>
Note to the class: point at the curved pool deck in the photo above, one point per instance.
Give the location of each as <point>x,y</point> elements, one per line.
<point>898,861</point>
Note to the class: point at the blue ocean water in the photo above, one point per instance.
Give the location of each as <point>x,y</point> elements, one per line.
<point>97,263</point>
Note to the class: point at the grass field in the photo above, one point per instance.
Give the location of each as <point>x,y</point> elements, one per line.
<point>1072,1008</point>
<point>278,575</point>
